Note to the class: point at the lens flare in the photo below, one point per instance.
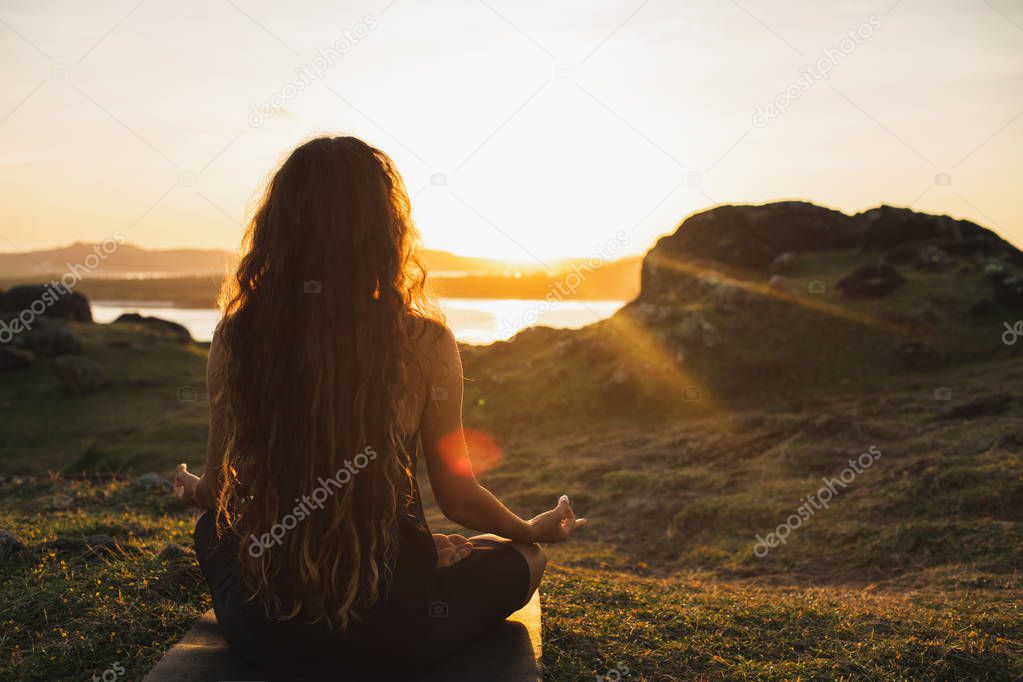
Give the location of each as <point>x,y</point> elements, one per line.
<point>483,451</point>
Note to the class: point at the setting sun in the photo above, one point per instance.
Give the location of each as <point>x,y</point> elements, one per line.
<point>525,133</point>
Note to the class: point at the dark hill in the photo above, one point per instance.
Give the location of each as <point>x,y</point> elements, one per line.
<point>747,304</point>
<point>753,237</point>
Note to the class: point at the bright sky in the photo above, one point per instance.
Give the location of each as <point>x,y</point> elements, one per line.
<point>552,125</point>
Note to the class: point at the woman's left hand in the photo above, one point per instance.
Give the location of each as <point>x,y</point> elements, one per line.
<point>451,548</point>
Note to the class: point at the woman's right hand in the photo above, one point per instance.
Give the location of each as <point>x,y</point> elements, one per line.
<point>557,524</point>
<point>185,484</point>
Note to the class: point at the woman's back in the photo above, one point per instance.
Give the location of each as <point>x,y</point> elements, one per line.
<point>322,378</point>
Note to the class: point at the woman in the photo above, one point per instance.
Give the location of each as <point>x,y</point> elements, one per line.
<point>329,377</point>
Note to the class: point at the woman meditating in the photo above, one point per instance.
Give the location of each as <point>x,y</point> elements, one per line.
<point>329,378</point>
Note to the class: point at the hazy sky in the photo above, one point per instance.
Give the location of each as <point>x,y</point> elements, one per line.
<point>552,126</point>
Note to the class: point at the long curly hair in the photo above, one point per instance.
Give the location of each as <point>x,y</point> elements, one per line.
<point>317,337</point>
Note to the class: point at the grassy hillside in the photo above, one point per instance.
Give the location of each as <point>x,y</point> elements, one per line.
<point>774,346</point>
<point>913,571</point>
<point>686,428</point>
<point>143,420</point>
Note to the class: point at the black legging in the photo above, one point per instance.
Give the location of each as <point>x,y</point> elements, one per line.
<point>393,639</point>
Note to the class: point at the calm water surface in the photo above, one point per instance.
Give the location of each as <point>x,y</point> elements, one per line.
<point>474,320</point>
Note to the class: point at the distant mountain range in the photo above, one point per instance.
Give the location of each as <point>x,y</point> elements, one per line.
<point>127,259</point>
<point>130,259</point>
<point>120,276</point>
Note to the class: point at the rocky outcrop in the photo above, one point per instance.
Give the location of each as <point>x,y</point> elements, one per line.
<point>9,546</point>
<point>769,238</point>
<point>172,328</point>
<point>984,406</point>
<point>753,236</point>
<point>150,481</point>
<point>871,281</point>
<point>99,546</point>
<point>52,337</point>
<point>15,358</point>
<point>886,227</point>
<point>181,573</point>
<point>44,300</point>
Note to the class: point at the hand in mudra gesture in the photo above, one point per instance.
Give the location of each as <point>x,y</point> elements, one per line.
<point>451,548</point>
<point>557,524</point>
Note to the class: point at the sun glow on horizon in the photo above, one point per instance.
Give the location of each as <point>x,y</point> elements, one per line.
<point>568,125</point>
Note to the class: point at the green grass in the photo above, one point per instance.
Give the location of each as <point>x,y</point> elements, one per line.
<point>138,422</point>
<point>65,617</point>
<point>913,572</point>
<point>695,627</point>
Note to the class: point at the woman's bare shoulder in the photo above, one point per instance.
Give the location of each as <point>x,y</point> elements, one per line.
<point>432,340</point>
<point>218,351</point>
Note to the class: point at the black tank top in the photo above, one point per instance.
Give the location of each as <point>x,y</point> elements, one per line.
<point>413,579</point>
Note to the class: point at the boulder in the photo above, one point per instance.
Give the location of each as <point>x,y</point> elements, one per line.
<point>180,578</point>
<point>50,300</point>
<point>99,545</point>
<point>781,283</point>
<point>80,375</point>
<point>871,281</point>
<point>729,298</point>
<point>985,406</point>
<point>176,552</point>
<point>15,358</point>
<point>172,328</point>
<point>932,259</point>
<point>994,269</point>
<point>783,263</point>
<point>9,546</point>
<point>151,480</point>
<point>53,338</point>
